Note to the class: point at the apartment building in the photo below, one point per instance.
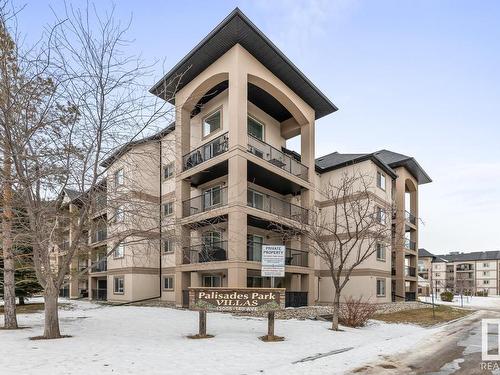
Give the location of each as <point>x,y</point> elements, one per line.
<point>471,273</point>
<point>193,205</point>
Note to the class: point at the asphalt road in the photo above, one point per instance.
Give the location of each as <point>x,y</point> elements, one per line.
<point>454,350</point>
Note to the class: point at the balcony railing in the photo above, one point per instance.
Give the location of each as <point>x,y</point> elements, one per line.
<point>409,244</point>
<point>100,203</point>
<point>277,157</point>
<point>410,296</point>
<point>203,253</point>
<point>410,218</point>
<point>293,257</point>
<point>205,202</point>
<point>100,235</point>
<point>100,266</point>
<point>410,271</point>
<point>206,152</point>
<point>277,206</point>
<point>465,267</point>
<point>100,294</point>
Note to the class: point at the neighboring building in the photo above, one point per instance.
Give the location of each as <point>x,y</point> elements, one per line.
<point>213,186</point>
<point>467,273</point>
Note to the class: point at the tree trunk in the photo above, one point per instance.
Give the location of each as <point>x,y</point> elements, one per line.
<point>8,256</point>
<point>50,296</point>
<point>336,312</point>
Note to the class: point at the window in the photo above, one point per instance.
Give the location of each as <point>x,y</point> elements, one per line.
<point>486,273</point>
<point>255,199</point>
<point>211,238</point>
<point>168,170</point>
<point>380,251</point>
<point>168,246</point>
<point>119,214</point>
<point>381,180</point>
<point>255,128</point>
<point>119,251</point>
<point>254,247</point>
<point>486,265</point>
<point>486,281</point>
<point>211,281</point>
<point>380,215</point>
<point>168,208</point>
<point>119,285</point>
<point>119,177</point>
<point>254,282</point>
<point>168,282</point>
<point>438,274</point>
<point>211,123</point>
<point>380,287</point>
<point>212,197</point>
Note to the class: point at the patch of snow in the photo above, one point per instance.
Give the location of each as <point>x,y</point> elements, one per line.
<point>152,340</point>
<point>491,302</point>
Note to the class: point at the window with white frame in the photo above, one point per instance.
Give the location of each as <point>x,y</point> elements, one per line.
<point>380,287</point>
<point>486,273</point>
<point>486,265</point>
<point>255,199</point>
<point>119,177</point>
<point>381,180</point>
<point>119,214</point>
<point>168,282</point>
<point>212,123</point>
<point>119,251</point>
<point>255,128</point>
<point>168,246</point>
<point>381,215</point>
<point>380,251</point>
<point>168,208</point>
<point>119,285</point>
<point>168,170</point>
<point>212,281</point>
<point>486,281</point>
<point>212,197</point>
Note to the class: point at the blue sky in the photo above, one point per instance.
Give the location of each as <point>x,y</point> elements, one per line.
<point>417,77</point>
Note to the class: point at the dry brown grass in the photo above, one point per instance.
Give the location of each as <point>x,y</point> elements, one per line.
<point>31,308</point>
<point>424,317</point>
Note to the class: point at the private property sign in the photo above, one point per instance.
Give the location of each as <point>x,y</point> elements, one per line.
<point>273,261</point>
<point>236,299</point>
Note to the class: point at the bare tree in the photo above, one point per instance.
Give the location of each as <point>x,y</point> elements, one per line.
<point>346,227</point>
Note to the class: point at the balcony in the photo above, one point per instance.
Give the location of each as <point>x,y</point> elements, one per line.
<point>465,267</point>
<point>100,294</point>
<point>410,218</point>
<point>277,157</point>
<point>410,296</point>
<point>203,253</point>
<point>410,245</point>
<point>206,152</point>
<point>100,266</point>
<point>202,203</point>
<point>100,203</point>
<point>293,257</point>
<point>100,235</point>
<point>410,271</point>
<point>277,206</point>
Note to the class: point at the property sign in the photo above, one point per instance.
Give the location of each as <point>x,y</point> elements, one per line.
<point>237,299</point>
<point>273,261</point>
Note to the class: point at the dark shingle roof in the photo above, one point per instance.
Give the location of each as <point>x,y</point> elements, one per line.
<point>386,159</point>
<point>424,253</point>
<point>476,255</point>
<point>120,151</point>
<point>236,28</point>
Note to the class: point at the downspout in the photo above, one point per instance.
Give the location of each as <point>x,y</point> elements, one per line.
<point>161,213</point>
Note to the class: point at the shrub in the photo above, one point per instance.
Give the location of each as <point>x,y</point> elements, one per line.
<point>447,296</point>
<point>482,293</point>
<point>356,312</point>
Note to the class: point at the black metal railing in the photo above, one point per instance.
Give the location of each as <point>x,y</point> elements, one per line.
<point>276,157</point>
<point>100,294</point>
<point>100,235</point>
<point>465,267</point>
<point>295,299</point>
<point>185,298</point>
<point>100,266</point>
<point>207,252</point>
<point>205,202</point>
<point>206,152</point>
<point>277,206</point>
<point>410,271</point>
<point>410,218</point>
<point>410,245</point>
<point>293,257</point>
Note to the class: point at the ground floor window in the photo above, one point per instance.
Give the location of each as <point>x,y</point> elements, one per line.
<point>212,281</point>
<point>380,287</point>
<point>168,282</point>
<point>119,284</point>
<point>254,282</point>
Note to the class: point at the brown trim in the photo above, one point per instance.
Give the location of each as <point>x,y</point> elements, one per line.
<point>358,272</point>
<point>370,194</point>
<point>133,270</point>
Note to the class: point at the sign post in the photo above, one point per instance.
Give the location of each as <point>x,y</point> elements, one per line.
<point>273,265</point>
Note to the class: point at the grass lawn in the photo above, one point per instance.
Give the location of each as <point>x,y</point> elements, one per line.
<point>424,317</point>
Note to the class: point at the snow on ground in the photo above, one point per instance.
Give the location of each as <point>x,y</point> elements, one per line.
<point>491,302</point>
<point>152,340</point>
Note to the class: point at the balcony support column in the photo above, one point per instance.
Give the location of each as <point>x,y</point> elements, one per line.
<point>237,101</point>
<point>236,277</point>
